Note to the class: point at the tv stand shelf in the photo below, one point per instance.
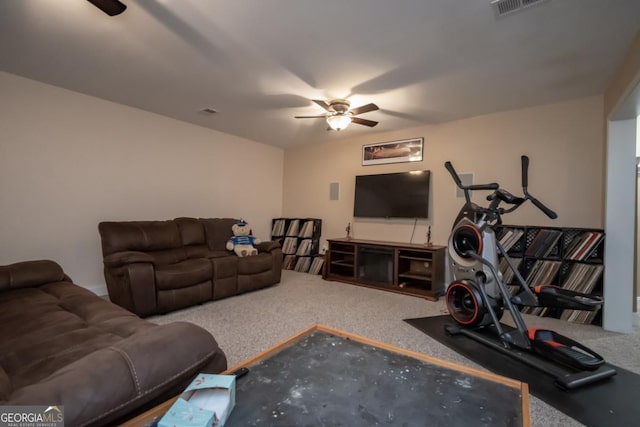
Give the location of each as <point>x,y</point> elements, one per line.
<point>405,268</point>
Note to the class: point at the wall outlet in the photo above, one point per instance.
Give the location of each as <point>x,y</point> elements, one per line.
<point>323,250</point>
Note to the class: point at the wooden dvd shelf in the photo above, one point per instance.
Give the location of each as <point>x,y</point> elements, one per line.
<point>342,259</point>
<point>406,268</point>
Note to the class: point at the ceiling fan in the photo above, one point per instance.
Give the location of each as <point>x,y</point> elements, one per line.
<point>110,7</point>
<point>340,115</point>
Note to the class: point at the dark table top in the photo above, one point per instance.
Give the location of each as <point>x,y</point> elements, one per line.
<point>324,379</point>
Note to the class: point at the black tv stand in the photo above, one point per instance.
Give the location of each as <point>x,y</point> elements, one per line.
<point>405,268</point>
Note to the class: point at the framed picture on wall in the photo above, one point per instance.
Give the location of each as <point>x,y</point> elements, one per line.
<point>406,150</point>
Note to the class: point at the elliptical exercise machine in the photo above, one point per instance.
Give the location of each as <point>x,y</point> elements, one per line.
<point>477,296</point>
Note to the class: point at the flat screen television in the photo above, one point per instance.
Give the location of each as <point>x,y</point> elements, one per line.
<point>392,195</point>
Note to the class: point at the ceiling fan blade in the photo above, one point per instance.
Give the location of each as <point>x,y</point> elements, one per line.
<point>310,117</point>
<point>364,122</point>
<point>110,7</point>
<point>322,103</point>
<point>364,109</point>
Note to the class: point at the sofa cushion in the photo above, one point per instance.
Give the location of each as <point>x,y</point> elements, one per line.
<point>218,231</point>
<point>167,256</point>
<point>128,257</point>
<point>219,254</point>
<point>29,274</point>
<point>191,231</point>
<point>196,251</point>
<point>255,264</point>
<point>252,282</point>
<point>141,236</point>
<point>225,266</point>
<point>183,274</point>
<point>46,328</point>
<point>175,299</point>
<point>61,344</point>
<point>225,276</point>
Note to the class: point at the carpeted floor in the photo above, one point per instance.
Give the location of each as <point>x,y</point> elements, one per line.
<point>250,323</point>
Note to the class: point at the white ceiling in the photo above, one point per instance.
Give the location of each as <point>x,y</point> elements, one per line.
<point>259,62</point>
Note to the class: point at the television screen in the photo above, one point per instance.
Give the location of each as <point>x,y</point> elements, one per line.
<point>392,195</point>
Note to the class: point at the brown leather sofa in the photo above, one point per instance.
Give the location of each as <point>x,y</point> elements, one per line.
<point>60,344</point>
<point>153,267</point>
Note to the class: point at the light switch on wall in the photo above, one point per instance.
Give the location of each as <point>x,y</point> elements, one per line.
<point>334,191</point>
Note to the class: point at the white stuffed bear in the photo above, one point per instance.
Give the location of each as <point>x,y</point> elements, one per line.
<point>242,241</point>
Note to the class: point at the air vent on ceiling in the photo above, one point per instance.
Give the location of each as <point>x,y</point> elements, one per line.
<point>506,7</point>
<point>208,111</point>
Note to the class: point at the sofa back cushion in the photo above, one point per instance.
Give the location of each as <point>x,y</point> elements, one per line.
<point>191,231</point>
<point>193,237</point>
<point>218,231</point>
<point>29,274</point>
<point>143,236</point>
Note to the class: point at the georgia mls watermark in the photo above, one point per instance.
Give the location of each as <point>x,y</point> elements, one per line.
<point>31,416</point>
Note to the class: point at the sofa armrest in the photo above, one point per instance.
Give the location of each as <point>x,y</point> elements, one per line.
<point>133,286</point>
<point>110,382</point>
<point>119,259</point>
<point>30,274</point>
<point>267,246</point>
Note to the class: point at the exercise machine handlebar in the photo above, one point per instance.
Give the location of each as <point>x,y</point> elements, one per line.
<point>456,178</point>
<point>525,182</point>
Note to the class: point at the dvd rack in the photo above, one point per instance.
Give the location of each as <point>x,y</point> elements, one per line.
<point>300,242</point>
<point>572,258</point>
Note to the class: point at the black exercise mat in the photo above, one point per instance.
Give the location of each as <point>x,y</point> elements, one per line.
<point>611,402</point>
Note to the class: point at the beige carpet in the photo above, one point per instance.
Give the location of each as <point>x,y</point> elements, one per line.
<point>250,323</point>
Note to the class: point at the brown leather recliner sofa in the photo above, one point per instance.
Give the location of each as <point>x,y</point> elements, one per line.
<point>154,267</point>
<point>60,344</point>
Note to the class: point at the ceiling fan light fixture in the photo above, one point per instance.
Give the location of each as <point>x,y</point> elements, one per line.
<point>338,121</point>
<point>339,114</point>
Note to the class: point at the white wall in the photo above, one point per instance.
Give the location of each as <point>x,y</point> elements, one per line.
<point>620,224</point>
<point>621,104</point>
<point>565,143</point>
<point>637,244</point>
<point>69,161</point>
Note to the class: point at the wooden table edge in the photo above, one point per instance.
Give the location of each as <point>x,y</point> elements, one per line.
<point>159,410</point>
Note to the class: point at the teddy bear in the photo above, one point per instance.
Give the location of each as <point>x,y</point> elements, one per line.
<point>242,241</point>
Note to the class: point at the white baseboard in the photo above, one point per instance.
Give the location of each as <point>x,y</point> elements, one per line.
<point>636,315</point>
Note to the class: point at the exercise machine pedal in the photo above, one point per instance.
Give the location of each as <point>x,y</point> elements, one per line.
<point>564,377</point>
<point>564,350</point>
